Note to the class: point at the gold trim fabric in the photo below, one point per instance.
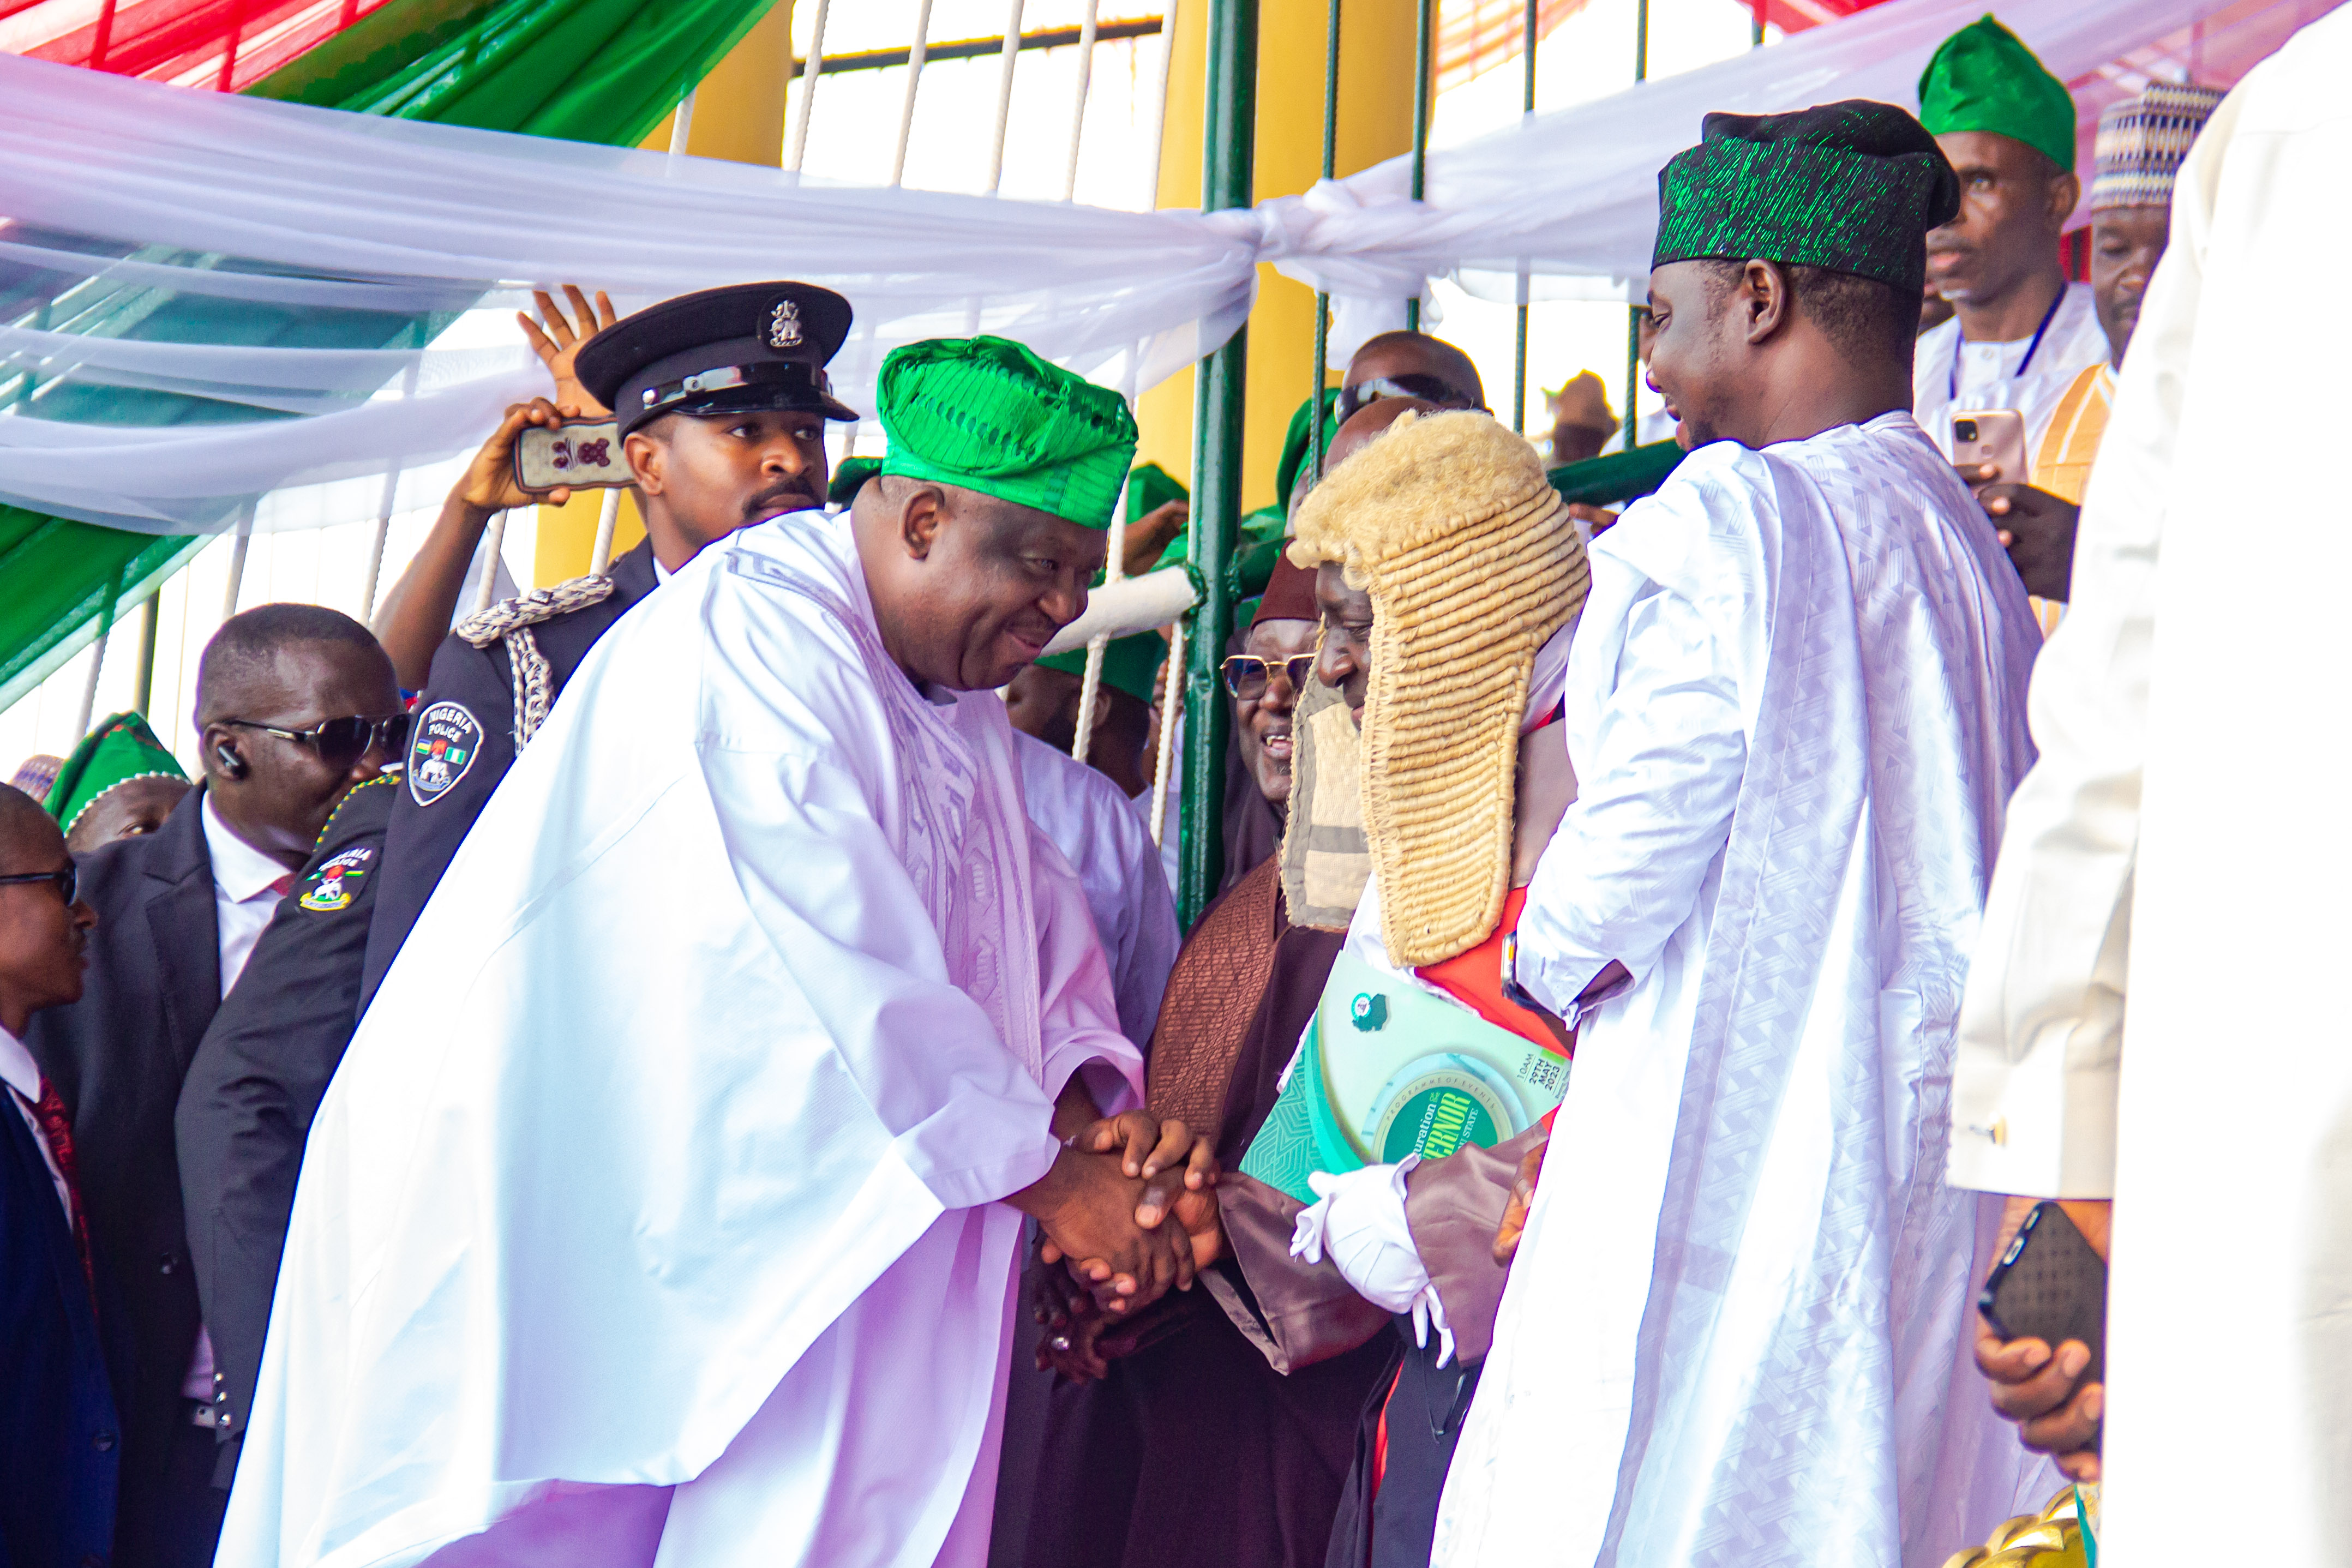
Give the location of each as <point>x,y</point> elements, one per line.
<point>1473,562</point>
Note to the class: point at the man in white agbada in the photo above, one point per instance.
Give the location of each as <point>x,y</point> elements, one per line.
<point>1736,1329</point>
<point>2177,846</point>
<point>665,1209</point>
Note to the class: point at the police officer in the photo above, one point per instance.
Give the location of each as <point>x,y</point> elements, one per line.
<point>721,398</point>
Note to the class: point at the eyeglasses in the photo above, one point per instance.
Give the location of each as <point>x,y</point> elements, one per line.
<point>340,742</point>
<point>1247,673</point>
<point>1428,389</point>
<point>67,881</point>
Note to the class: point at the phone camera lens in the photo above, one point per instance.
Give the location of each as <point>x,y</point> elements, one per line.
<point>1964,429</point>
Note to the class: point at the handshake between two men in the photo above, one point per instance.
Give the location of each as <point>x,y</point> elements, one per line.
<point>1106,1209</point>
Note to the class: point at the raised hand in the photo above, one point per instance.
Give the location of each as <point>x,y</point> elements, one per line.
<point>488,484</point>
<point>557,344</point>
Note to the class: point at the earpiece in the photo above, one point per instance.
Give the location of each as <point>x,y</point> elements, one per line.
<point>230,762</point>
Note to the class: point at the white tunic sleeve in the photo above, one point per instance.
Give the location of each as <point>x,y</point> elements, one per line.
<point>1658,775</point>
<point>2041,1032</point>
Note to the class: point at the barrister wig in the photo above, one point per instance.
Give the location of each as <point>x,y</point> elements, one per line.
<point>1472,563</point>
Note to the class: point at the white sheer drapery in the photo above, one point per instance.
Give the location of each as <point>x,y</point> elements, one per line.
<point>239,199</point>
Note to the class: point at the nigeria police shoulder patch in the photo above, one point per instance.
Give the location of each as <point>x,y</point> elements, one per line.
<point>335,884</point>
<point>441,748</point>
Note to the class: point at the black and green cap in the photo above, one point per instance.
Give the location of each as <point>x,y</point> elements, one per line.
<point>1852,187</point>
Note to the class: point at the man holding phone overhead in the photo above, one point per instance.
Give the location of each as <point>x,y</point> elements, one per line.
<point>721,400</point>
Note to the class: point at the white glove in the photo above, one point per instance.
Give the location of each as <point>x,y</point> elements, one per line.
<point>1358,1219</point>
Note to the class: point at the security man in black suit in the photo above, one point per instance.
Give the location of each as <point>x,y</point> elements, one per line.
<point>722,398</point>
<point>256,1082</point>
<point>295,704</point>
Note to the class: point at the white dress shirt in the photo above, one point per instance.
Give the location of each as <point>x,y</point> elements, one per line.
<point>22,1074</point>
<point>2029,376</point>
<point>244,895</point>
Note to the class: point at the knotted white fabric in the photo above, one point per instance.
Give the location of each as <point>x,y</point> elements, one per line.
<point>125,185</point>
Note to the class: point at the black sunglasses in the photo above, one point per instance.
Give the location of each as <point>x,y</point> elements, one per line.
<point>67,881</point>
<point>340,742</point>
<point>1428,389</point>
<point>1246,674</point>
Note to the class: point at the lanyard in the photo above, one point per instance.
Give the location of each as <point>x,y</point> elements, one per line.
<point>1960,341</point>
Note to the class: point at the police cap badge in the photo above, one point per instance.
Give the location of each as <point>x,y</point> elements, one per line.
<point>720,351</point>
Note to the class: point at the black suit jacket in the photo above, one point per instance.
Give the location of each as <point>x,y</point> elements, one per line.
<point>116,1057</point>
<point>59,1437</point>
<point>432,818</point>
<point>256,1082</point>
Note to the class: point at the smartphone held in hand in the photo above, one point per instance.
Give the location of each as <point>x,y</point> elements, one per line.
<point>580,455</point>
<point>1994,435</point>
<point>2051,1286</point>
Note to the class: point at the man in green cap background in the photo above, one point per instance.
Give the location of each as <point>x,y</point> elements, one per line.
<point>120,782</point>
<point>706,1249</point>
<point>2020,332</point>
<point>1796,705</point>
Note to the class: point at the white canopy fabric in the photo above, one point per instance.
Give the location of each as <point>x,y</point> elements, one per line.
<point>126,186</point>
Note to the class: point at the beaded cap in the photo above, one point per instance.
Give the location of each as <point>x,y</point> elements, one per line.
<point>1851,186</point>
<point>2143,140</point>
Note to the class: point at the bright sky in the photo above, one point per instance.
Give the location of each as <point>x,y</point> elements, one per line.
<point>854,139</point>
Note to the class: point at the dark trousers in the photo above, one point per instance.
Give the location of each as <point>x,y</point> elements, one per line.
<point>1426,1406</point>
<point>177,1523</point>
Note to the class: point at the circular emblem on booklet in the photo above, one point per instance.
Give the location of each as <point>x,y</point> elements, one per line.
<point>1434,1105</point>
<point>441,748</point>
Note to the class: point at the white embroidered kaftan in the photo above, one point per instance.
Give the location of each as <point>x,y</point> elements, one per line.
<point>1736,1329</point>
<point>1948,373</point>
<point>652,1218</point>
<point>2181,844</point>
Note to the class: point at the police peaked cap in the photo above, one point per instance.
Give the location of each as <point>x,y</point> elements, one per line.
<point>750,346</point>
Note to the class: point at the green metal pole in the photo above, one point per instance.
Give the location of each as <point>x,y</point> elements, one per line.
<point>1230,137</point>
<point>1633,312</point>
<point>1520,352</point>
<point>1323,300</point>
<point>1421,20</point>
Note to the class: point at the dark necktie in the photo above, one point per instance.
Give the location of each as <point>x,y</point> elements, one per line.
<point>58,1128</point>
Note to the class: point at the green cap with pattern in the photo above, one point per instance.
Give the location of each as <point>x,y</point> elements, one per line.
<point>989,416</point>
<point>1984,78</point>
<point>1851,186</point>
<point>118,750</point>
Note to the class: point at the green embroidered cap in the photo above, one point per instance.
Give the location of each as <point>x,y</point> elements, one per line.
<point>1851,186</point>
<point>120,749</point>
<point>989,416</point>
<point>1983,79</point>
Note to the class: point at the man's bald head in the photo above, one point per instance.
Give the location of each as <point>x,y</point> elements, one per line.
<point>1368,422</point>
<point>244,655</point>
<point>1393,356</point>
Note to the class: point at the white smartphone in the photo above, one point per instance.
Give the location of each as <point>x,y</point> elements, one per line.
<point>1994,435</point>
<point>582,456</point>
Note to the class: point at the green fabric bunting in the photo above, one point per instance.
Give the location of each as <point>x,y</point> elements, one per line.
<point>1984,78</point>
<point>987,414</point>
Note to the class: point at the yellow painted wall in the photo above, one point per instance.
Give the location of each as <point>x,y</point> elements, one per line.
<point>1375,123</point>
<point>738,113</point>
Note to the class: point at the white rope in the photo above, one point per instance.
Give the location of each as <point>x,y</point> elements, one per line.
<point>495,538</point>
<point>1114,569</point>
<point>1151,166</point>
<point>384,514</point>
<point>600,560</point>
<point>236,562</point>
<point>810,69</point>
<point>1004,97</point>
<point>914,81</point>
<point>90,686</point>
<point>681,126</point>
<point>1079,111</point>
<point>1171,709</point>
